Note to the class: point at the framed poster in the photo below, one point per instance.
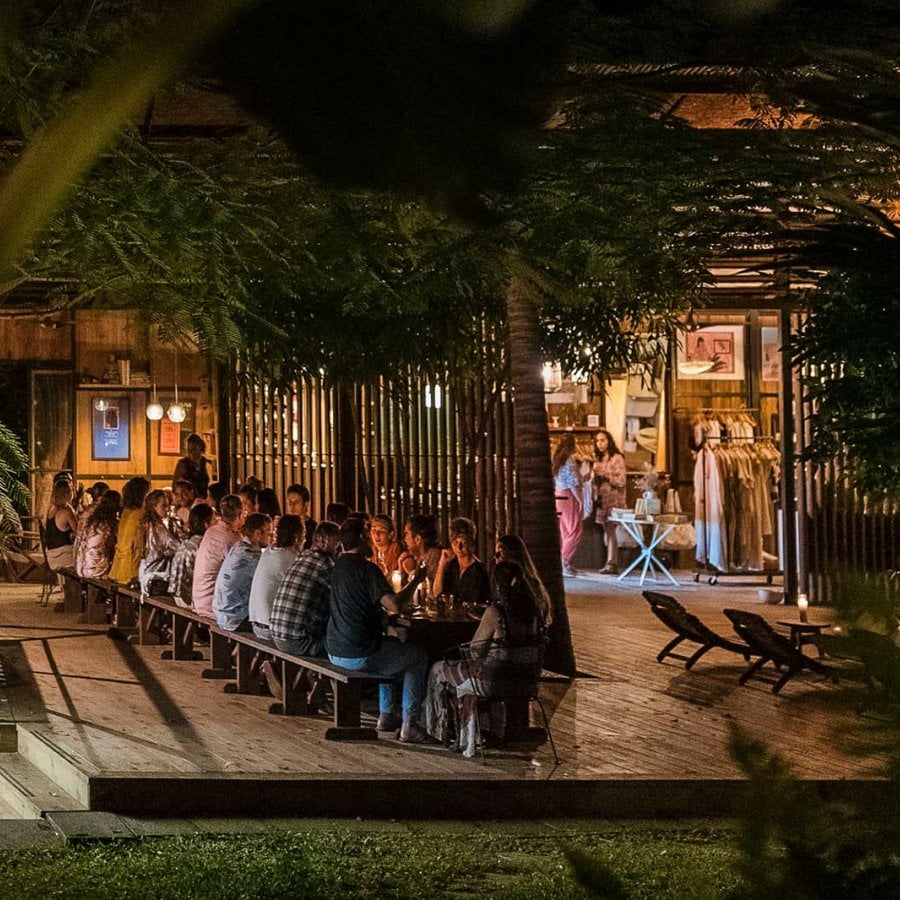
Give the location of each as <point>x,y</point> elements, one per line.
<point>713,353</point>
<point>771,353</point>
<point>173,435</point>
<point>111,428</point>
<point>169,438</point>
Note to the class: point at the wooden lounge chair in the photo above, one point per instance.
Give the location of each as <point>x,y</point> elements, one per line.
<point>688,627</point>
<point>770,646</point>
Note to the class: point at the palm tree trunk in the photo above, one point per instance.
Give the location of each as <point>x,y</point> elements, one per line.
<point>537,515</point>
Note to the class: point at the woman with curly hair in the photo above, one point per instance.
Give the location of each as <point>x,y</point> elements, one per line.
<point>159,544</point>
<point>610,478</point>
<point>97,543</point>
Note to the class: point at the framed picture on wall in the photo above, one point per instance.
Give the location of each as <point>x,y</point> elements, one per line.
<point>111,428</point>
<point>771,353</point>
<point>173,435</point>
<point>169,438</point>
<point>713,353</point>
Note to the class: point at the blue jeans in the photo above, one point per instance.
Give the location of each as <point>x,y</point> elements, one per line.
<point>396,659</point>
<point>261,631</point>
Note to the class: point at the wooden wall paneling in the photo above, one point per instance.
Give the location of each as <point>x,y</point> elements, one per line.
<point>27,339</point>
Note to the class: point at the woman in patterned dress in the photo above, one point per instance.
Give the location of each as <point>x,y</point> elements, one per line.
<point>609,492</point>
<point>97,543</point>
<point>502,659</point>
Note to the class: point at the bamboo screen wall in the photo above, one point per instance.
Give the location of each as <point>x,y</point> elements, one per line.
<point>842,529</point>
<point>397,447</point>
<point>282,435</point>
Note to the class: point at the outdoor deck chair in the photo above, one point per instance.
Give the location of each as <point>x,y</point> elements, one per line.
<point>770,646</point>
<point>688,627</point>
<point>880,658</point>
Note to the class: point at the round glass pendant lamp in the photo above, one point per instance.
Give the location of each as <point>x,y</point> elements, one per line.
<point>176,412</point>
<point>154,408</point>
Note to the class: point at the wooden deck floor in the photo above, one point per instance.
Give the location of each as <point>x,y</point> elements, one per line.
<point>115,708</point>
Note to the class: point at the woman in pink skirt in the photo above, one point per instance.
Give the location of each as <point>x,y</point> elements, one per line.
<point>569,507</point>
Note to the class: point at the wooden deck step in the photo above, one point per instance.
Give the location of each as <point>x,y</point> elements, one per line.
<point>39,745</point>
<point>26,792</point>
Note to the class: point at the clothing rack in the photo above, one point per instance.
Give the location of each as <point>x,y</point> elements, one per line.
<point>711,572</point>
<point>714,409</point>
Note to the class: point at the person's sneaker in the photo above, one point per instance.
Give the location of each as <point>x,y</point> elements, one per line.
<point>570,571</point>
<point>387,722</point>
<point>410,733</point>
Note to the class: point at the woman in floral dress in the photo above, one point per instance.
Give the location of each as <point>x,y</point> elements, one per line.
<point>609,492</point>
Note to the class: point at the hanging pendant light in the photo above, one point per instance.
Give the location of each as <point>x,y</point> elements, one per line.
<point>154,408</point>
<point>176,412</point>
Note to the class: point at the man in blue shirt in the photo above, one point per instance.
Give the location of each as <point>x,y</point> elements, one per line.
<point>231,598</point>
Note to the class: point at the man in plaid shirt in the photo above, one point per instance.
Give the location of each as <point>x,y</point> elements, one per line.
<point>300,610</point>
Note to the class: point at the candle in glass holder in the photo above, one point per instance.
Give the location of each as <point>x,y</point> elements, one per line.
<point>396,580</point>
<point>803,606</point>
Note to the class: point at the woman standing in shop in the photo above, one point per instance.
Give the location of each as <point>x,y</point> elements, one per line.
<point>569,506</point>
<point>609,492</point>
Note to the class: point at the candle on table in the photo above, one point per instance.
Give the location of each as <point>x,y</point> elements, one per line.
<point>803,606</point>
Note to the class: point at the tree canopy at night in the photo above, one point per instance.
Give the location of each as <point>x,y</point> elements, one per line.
<point>603,220</point>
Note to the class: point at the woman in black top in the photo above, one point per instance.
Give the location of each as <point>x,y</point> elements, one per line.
<point>193,467</point>
<point>60,525</point>
<point>461,573</point>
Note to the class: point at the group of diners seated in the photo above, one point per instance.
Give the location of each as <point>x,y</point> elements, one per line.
<point>332,589</point>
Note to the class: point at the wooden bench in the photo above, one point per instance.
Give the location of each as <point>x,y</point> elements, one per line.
<point>126,604</point>
<point>183,625</point>
<point>346,684</point>
<point>99,598</point>
<point>239,655</point>
<point>73,590</point>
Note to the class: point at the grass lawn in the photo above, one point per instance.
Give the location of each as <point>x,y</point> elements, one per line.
<point>397,860</point>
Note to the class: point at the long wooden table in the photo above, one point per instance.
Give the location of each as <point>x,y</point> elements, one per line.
<point>438,634</point>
